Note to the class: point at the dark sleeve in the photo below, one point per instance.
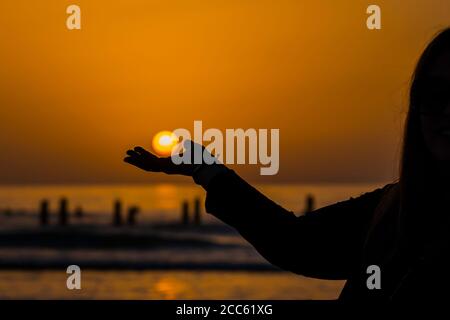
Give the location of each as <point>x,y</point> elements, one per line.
<point>326,243</point>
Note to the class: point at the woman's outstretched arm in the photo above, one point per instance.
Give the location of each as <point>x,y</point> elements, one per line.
<point>326,243</point>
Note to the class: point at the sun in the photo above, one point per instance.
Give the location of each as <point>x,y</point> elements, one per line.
<point>163,142</point>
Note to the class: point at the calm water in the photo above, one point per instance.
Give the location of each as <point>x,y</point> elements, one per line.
<point>166,285</point>
<point>160,202</point>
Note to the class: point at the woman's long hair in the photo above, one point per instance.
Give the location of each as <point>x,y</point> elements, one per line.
<point>417,181</point>
<point>403,208</point>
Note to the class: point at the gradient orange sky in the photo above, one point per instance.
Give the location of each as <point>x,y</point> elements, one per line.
<point>72,102</point>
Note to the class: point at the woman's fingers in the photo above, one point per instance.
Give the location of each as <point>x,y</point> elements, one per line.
<point>132,153</point>
<point>145,160</point>
<point>128,159</point>
<point>134,160</point>
<point>141,151</point>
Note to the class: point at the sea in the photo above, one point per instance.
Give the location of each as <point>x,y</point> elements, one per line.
<point>158,257</point>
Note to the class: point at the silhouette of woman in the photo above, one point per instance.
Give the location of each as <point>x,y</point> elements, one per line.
<point>403,228</point>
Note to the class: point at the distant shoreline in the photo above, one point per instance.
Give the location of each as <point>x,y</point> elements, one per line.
<point>106,266</point>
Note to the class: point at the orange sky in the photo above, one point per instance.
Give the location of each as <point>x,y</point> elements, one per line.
<point>73,101</point>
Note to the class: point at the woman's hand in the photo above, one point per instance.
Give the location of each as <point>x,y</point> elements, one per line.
<point>147,161</point>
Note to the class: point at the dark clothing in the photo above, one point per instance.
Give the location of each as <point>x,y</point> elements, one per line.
<point>335,242</point>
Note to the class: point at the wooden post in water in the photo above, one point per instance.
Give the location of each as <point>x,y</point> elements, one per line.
<point>197,216</point>
<point>43,213</point>
<point>63,213</point>
<point>309,203</point>
<point>132,213</point>
<point>117,214</point>
<point>79,212</point>
<point>185,213</point>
